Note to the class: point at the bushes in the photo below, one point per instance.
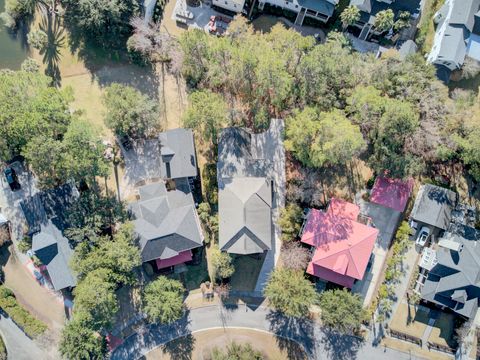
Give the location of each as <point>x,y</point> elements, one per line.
<point>30,325</point>
<point>3,350</point>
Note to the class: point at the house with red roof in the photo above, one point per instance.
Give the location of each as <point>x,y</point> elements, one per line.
<point>391,193</point>
<point>343,245</point>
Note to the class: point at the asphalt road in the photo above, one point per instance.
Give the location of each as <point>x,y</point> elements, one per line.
<point>19,346</point>
<point>317,343</point>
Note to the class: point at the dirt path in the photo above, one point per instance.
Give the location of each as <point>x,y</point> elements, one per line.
<point>37,300</point>
<point>201,345</point>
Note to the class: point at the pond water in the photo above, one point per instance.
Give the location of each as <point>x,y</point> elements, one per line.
<point>13,49</point>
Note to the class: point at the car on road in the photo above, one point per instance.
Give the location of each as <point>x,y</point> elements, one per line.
<point>423,236</point>
<point>12,178</point>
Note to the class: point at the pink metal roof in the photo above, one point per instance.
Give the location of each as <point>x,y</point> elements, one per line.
<point>343,245</point>
<point>182,257</point>
<point>391,193</point>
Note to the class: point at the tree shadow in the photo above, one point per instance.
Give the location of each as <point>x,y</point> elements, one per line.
<point>293,333</point>
<point>181,348</point>
<point>339,346</point>
<point>52,26</point>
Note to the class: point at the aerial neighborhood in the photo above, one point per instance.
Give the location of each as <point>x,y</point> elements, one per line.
<point>239,179</point>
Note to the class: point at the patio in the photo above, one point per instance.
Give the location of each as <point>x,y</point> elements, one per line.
<point>201,14</point>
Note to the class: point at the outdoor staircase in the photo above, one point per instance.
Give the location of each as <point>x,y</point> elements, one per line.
<point>365,31</point>
<point>300,17</point>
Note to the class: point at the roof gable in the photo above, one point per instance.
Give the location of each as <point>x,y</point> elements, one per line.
<point>178,158</point>
<point>434,205</point>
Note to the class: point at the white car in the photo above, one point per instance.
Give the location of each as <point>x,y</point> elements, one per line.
<point>422,237</point>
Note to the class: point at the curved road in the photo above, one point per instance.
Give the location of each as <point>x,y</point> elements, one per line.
<point>318,343</point>
<point>19,346</point>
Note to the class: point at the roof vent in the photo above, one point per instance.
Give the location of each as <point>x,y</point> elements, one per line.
<point>451,245</point>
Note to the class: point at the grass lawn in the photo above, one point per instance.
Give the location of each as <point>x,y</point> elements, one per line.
<point>443,330</point>
<point>200,345</point>
<point>426,27</point>
<point>246,273</point>
<point>195,275</point>
<point>414,328</point>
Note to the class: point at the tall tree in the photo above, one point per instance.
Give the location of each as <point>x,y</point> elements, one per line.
<point>163,300</point>
<point>290,221</point>
<point>317,139</point>
<point>30,108</point>
<point>80,342</point>
<point>129,112</point>
<point>95,296</point>
<point>221,263</point>
<point>342,310</point>
<point>384,20</point>
<point>349,16</point>
<point>290,293</point>
<point>206,113</point>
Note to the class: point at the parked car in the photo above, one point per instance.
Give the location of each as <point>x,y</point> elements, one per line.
<point>12,178</point>
<point>423,236</point>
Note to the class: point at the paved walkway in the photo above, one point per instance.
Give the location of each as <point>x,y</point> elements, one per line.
<point>318,343</point>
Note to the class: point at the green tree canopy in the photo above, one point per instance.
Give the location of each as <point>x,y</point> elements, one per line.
<point>163,300</point>
<point>206,113</point>
<point>384,20</point>
<point>129,112</point>
<point>341,310</point>
<point>80,342</point>
<point>221,263</point>
<point>95,296</point>
<point>470,150</point>
<point>30,108</point>
<point>289,292</point>
<point>322,138</point>
<point>349,16</point>
<point>105,23</point>
<point>290,221</point>
<point>117,256</point>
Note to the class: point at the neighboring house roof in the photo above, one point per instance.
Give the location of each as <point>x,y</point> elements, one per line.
<point>54,251</point>
<point>391,193</point>
<point>166,222</point>
<point>343,246</point>
<point>325,7</point>
<point>434,205</point>
<point>454,281</point>
<point>370,8</point>
<point>177,149</point>
<point>456,20</point>
<point>246,221</point>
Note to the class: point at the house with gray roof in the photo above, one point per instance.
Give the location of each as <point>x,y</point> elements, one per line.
<point>458,21</point>
<point>55,252</point>
<point>370,8</point>
<point>433,207</point>
<point>454,280</point>
<point>178,157</point>
<point>167,225</point>
<point>45,213</point>
<point>247,188</point>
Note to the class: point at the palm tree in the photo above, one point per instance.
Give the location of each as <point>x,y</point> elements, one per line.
<point>384,20</point>
<point>349,16</point>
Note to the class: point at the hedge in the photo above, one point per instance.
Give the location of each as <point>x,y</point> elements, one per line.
<point>30,325</point>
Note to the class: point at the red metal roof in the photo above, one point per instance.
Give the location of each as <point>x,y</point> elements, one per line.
<point>182,257</point>
<point>343,245</point>
<point>391,193</point>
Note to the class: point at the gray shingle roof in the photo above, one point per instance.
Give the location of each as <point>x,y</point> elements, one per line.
<point>454,281</point>
<point>245,215</point>
<point>433,206</point>
<point>166,222</point>
<point>244,173</point>
<point>463,12</point>
<point>178,149</point>
<point>370,8</point>
<point>54,251</point>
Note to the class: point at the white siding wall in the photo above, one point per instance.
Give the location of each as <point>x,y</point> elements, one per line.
<point>235,6</point>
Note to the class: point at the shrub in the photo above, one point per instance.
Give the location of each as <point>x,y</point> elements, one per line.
<point>30,325</point>
<point>25,244</point>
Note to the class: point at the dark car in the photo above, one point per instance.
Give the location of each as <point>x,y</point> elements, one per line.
<point>12,178</point>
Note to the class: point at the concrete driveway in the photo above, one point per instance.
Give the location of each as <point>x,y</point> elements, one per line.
<point>318,344</point>
<point>19,346</point>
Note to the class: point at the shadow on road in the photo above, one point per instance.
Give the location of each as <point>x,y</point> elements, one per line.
<point>289,332</point>
<point>180,349</point>
<point>339,346</point>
